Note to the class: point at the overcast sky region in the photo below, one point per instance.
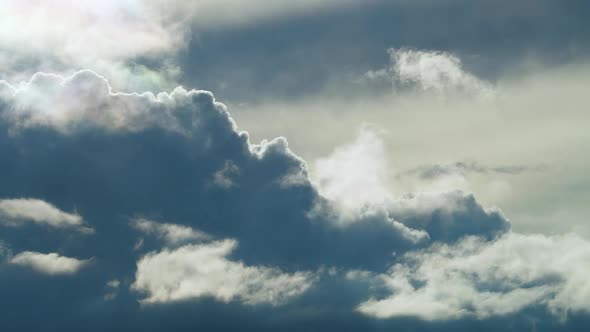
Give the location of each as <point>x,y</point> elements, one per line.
<point>310,165</point>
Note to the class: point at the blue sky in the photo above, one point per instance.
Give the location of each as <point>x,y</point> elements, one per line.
<point>333,165</point>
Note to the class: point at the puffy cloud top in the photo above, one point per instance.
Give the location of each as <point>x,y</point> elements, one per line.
<point>245,225</point>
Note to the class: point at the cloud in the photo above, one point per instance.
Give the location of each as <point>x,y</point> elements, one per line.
<point>355,174</point>
<point>478,279</point>
<point>194,137</point>
<point>66,103</point>
<point>223,177</point>
<point>70,140</point>
<point>435,72</point>
<point>115,37</point>
<point>462,168</point>
<point>191,137</point>
<point>171,234</point>
<point>196,271</point>
<point>75,142</point>
<point>50,264</point>
<point>135,43</point>
<point>111,290</point>
<point>448,216</point>
<point>354,179</point>
<point>88,28</point>
<point>17,212</point>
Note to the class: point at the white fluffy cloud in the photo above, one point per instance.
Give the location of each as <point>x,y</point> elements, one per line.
<point>172,234</point>
<point>86,98</point>
<point>50,264</point>
<point>17,212</point>
<point>437,72</point>
<point>480,279</point>
<point>196,271</point>
<point>355,174</point>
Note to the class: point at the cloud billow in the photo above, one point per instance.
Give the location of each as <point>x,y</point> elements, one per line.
<point>114,155</point>
<point>245,228</point>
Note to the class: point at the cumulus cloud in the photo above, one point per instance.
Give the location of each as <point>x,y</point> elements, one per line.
<point>77,152</point>
<point>69,102</point>
<point>192,137</point>
<point>196,271</point>
<point>354,179</point>
<point>173,155</point>
<point>50,264</point>
<point>172,234</point>
<point>448,216</point>
<point>355,174</point>
<point>203,139</point>
<point>17,212</point>
<point>436,72</point>
<point>479,279</point>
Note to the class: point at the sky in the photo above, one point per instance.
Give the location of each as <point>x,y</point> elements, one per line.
<point>316,165</point>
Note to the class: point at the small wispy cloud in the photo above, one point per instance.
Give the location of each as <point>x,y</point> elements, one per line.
<point>464,168</point>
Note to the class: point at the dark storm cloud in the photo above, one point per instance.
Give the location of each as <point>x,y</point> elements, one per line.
<point>122,155</point>
<point>121,161</point>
